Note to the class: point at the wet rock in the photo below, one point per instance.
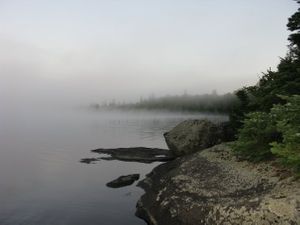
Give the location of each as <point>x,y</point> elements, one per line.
<point>212,188</point>
<point>136,154</point>
<point>194,135</point>
<point>89,160</point>
<point>123,181</point>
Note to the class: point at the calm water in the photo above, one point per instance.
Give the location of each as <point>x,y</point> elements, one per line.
<point>42,181</point>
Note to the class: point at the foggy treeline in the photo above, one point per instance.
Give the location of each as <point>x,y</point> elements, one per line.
<point>189,103</point>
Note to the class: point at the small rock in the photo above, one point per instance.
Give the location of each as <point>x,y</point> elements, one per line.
<point>123,181</point>
<point>89,160</point>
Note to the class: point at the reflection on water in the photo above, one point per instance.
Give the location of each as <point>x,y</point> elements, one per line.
<point>42,181</point>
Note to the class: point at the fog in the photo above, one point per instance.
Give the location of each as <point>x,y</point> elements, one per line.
<point>77,52</point>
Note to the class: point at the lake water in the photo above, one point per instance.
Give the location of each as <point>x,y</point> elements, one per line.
<point>42,181</point>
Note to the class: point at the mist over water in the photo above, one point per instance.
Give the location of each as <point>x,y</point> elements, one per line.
<point>42,180</point>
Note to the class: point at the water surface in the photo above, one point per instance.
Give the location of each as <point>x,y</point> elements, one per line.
<point>42,181</point>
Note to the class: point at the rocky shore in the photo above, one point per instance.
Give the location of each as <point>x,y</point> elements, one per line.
<point>201,182</point>
<point>210,186</point>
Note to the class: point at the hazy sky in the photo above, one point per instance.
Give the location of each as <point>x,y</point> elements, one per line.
<point>87,51</point>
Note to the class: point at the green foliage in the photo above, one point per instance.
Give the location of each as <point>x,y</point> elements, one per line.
<point>268,124</point>
<point>276,133</point>
<point>284,81</point>
<point>241,108</point>
<point>294,26</point>
<point>255,136</point>
<point>262,97</point>
<point>288,124</point>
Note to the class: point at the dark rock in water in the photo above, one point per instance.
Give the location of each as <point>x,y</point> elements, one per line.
<point>89,160</point>
<point>123,181</point>
<point>194,135</point>
<point>136,154</point>
<point>212,187</point>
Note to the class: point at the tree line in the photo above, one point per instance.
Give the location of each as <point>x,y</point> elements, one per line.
<point>186,103</point>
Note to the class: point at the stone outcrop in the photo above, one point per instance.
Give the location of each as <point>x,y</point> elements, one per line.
<point>194,135</point>
<point>212,187</point>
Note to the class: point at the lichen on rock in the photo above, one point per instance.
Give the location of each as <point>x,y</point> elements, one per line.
<point>213,187</point>
<point>193,135</point>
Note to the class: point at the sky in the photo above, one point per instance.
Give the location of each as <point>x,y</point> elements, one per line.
<point>85,51</point>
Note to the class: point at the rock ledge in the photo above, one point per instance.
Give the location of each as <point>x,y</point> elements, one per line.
<point>212,187</point>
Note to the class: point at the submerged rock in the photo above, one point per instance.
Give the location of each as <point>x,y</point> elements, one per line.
<point>211,187</point>
<point>194,135</point>
<point>89,160</point>
<point>123,181</point>
<point>136,154</point>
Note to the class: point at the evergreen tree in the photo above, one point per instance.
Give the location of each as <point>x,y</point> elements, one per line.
<point>284,81</point>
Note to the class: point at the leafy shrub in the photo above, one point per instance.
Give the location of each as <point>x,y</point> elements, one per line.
<point>288,124</point>
<point>254,138</point>
<point>277,133</point>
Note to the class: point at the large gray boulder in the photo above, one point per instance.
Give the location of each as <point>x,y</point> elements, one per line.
<point>212,187</point>
<point>194,135</point>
